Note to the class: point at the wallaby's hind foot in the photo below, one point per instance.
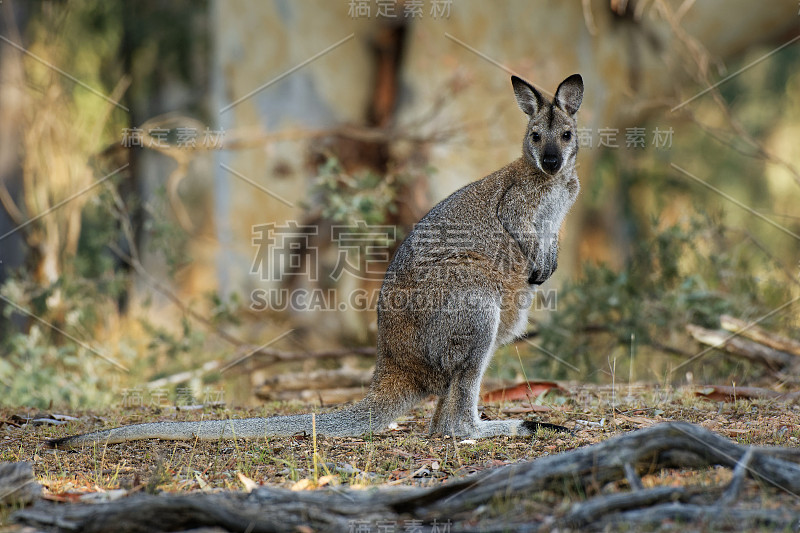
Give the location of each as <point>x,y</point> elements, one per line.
<point>533,427</point>
<point>517,428</point>
<point>508,428</point>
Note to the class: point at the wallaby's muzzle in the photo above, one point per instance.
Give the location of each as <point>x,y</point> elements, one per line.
<point>551,161</point>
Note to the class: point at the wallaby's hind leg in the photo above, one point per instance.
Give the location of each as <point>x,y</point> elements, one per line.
<point>465,357</point>
<point>465,353</point>
<point>454,413</point>
<point>441,415</point>
<point>457,411</point>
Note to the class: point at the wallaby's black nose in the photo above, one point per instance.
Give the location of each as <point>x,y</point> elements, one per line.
<point>551,163</point>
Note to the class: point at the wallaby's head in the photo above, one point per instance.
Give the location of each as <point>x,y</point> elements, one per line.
<point>550,140</point>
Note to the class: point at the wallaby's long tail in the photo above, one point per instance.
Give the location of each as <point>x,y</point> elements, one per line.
<point>371,414</point>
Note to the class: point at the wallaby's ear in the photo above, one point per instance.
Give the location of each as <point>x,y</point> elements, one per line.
<point>528,98</point>
<point>569,94</point>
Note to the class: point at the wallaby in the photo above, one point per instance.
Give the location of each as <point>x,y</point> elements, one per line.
<point>459,286</point>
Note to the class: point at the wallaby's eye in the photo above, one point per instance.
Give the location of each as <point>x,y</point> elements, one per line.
<point>536,137</point>
<point>567,135</point>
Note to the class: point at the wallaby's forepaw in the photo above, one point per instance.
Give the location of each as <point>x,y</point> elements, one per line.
<point>536,278</point>
<point>534,426</point>
<point>540,276</point>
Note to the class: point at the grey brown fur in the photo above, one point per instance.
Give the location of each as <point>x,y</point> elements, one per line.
<point>459,286</point>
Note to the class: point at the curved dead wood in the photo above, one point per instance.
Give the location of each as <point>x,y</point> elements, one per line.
<point>758,353</point>
<point>707,517</point>
<point>17,484</point>
<point>584,513</point>
<point>760,335</point>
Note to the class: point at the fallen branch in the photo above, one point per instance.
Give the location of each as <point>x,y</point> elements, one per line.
<point>259,356</point>
<point>324,397</point>
<point>727,393</point>
<point>328,386</point>
<point>319,379</point>
<point>760,335</point>
<point>708,517</point>
<point>735,345</point>
<point>583,514</point>
<point>183,377</point>
<point>17,484</point>
<point>589,469</point>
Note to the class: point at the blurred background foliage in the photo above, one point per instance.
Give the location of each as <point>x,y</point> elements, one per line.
<point>98,294</point>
